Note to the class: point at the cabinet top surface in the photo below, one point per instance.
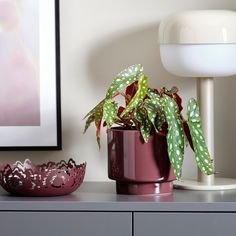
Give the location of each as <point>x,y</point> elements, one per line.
<point>98,196</point>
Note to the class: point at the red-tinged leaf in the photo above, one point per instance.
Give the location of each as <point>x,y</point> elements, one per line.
<point>161,134</point>
<point>124,121</point>
<point>98,122</point>
<point>131,91</point>
<point>156,91</point>
<point>120,110</point>
<point>98,133</point>
<point>178,100</point>
<point>99,128</point>
<point>188,134</point>
<point>164,129</point>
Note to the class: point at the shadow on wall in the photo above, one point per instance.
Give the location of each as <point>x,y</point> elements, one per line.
<point>118,51</point>
<point>225,126</point>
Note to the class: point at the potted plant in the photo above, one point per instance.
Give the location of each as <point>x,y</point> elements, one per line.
<point>148,134</point>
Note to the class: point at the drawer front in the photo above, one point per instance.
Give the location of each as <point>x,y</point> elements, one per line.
<point>65,224</point>
<point>184,224</point>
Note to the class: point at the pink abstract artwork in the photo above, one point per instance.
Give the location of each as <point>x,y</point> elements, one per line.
<point>19,63</point>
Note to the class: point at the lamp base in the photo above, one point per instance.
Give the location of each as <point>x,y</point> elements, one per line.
<point>219,184</point>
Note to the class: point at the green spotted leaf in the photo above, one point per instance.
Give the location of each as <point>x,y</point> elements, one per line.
<point>110,110</point>
<point>140,94</point>
<point>89,120</point>
<point>152,111</point>
<point>204,161</point>
<point>171,91</point>
<point>95,115</point>
<point>155,105</point>
<point>158,102</point>
<point>146,125</point>
<point>145,129</point>
<point>175,136</point>
<point>160,120</point>
<point>95,109</point>
<point>138,115</point>
<point>155,98</point>
<point>124,79</point>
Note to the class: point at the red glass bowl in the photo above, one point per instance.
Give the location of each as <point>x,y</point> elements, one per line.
<point>49,179</point>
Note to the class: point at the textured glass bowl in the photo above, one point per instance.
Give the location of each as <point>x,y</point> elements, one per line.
<point>49,179</point>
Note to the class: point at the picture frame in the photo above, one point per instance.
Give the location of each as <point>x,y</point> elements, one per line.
<point>31,108</point>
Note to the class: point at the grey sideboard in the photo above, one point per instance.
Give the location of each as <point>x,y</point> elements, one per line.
<point>95,209</point>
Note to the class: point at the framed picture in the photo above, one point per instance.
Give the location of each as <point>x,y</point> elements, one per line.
<point>30,116</point>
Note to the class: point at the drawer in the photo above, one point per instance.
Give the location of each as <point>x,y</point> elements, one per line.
<point>65,224</point>
<point>184,224</point>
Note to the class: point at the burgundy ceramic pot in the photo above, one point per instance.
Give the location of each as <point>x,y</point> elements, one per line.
<point>138,167</point>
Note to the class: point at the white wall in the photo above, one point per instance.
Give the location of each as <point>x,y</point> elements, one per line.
<point>98,39</point>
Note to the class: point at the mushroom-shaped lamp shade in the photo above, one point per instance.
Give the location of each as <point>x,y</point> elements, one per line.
<point>201,44</point>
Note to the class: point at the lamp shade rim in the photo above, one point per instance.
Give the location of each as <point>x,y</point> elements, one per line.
<point>199,60</point>
<point>199,27</point>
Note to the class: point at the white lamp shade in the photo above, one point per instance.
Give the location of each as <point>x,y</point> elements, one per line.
<point>199,43</point>
<point>203,60</point>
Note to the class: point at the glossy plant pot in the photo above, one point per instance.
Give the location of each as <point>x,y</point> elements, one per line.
<point>138,167</point>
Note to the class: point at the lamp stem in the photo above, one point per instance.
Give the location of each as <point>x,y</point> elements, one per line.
<point>205,93</point>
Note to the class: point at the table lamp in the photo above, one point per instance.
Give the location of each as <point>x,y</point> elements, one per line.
<point>201,44</point>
